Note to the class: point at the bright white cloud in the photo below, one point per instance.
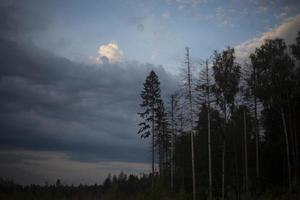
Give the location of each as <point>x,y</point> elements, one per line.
<point>108,53</point>
<point>287,30</point>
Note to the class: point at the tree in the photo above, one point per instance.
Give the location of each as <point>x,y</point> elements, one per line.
<point>251,82</point>
<point>248,104</point>
<point>227,75</point>
<point>237,136</point>
<point>173,114</point>
<point>296,47</point>
<point>296,104</point>
<point>191,121</point>
<point>204,97</point>
<point>274,68</point>
<point>151,97</point>
<point>163,138</point>
<point>201,141</point>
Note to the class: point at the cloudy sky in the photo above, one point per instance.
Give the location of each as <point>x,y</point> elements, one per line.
<point>71,73</point>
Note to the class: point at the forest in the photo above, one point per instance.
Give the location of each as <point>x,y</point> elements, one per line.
<point>229,132</point>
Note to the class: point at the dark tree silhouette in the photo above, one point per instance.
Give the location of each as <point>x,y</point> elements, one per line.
<point>151,97</point>
<point>227,75</point>
<point>163,138</point>
<point>274,84</point>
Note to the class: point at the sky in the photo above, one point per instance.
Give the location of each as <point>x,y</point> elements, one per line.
<point>71,73</point>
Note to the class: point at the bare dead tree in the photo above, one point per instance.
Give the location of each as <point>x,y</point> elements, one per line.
<point>191,119</point>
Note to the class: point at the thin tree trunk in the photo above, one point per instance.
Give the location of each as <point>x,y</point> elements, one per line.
<point>161,155</point>
<point>172,155</point>
<point>183,158</point>
<point>209,135</point>
<point>172,143</point>
<point>152,147</point>
<point>165,144</point>
<point>191,122</point>
<point>223,168</point>
<point>223,155</point>
<point>246,152</point>
<point>296,151</point>
<point>237,178</point>
<point>209,155</point>
<point>287,148</point>
<point>293,145</point>
<point>162,150</point>
<point>193,165</point>
<point>256,133</point>
<point>294,141</point>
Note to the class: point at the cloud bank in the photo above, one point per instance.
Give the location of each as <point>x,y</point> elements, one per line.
<point>87,112</point>
<point>63,119</point>
<point>287,30</point>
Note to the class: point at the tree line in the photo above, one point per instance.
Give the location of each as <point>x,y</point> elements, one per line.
<point>115,187</point>
<point>231,131</point>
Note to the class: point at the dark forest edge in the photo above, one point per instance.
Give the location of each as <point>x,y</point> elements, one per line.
<point>123,187</point>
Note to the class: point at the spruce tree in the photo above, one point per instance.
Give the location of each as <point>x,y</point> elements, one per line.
<point>151,97</point>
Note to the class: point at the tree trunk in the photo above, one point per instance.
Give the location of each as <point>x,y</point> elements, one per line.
<point>293,137</point>
<point>172,143</point>
<point>223,154</point>
<point>161,155</point>
<point>246,152</point>
<point>209,136</point>
<point>223,168</point>
<point>296,150</point>
<point>193,165</point>
<point>166,154</point>
<point>209,155</point>
<point>191,122</point>
<point>256,134</point>
<point>183,158</point>
<point>152,147</point>
<point>287,148</point>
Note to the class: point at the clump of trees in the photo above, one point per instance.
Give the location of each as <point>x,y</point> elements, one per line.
<point>122,186</point>
<point>234,134</point>
<point>12,191</point>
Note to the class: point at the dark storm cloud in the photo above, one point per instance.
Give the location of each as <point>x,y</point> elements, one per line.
<point>62,119</point>
<point>19,19</point>
<point>89,111</point>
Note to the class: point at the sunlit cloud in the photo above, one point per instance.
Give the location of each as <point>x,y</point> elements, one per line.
<point>287,30</point>
<point>109,53</point>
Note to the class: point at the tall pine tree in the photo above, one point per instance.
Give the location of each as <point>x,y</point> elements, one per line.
<point>151,98</point>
